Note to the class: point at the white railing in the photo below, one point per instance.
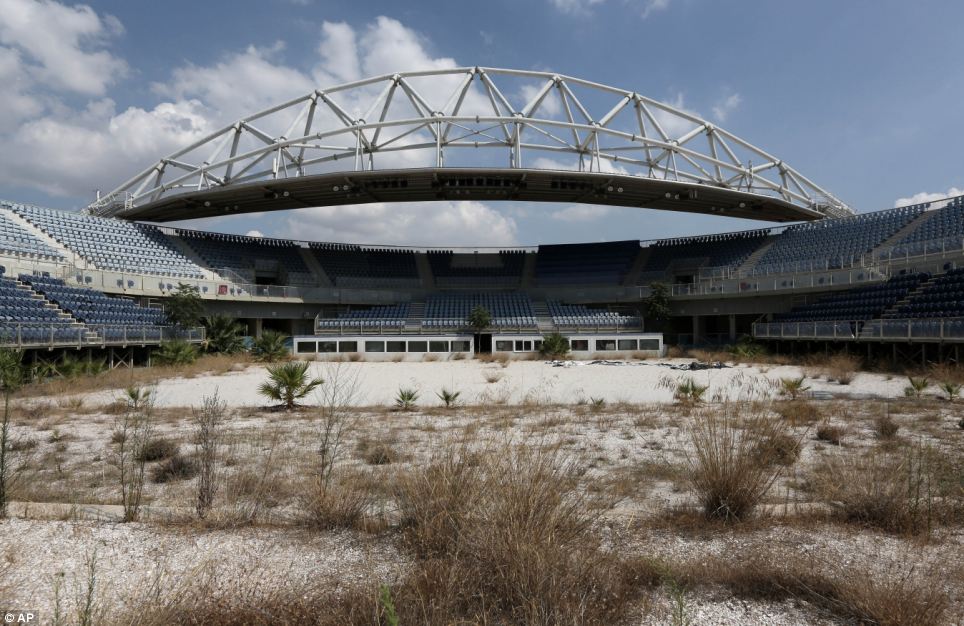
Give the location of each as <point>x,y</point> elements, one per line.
<point>816,280</point>
<point>32,335</point>
<point>934,329</point>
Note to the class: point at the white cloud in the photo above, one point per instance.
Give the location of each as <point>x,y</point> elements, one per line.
<point>581,213</point>
<point>254,233</point>
<point>726,105</point>
<point>925,196</point>
<point>339,51</point>
<point>550,107</point>
<point>62,45</point>
<point>575,7</point>
<point>584,7</point>
<point>447,223</point>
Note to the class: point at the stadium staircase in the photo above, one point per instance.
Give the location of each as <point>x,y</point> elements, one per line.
<point>424,271</point>
<point>529,270</point>
<point>416,313</point>
<point>312,264</point>
<point>911,226</point>
<point>752,260</point>
<point>543,317</point>
<point>62,314</point>
<point>892,312</point>
<point>184,248</point>
<point>637,267</point>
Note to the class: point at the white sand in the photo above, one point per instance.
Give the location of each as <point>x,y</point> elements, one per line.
<point>520,382</point>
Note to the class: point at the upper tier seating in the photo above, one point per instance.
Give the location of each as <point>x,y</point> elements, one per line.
<point>17,241</point>
<point>349,265</point>
<point>110,244</point>
<point>473,270</point>
<point>580,315</point>
<point>26,318</point>
<point>110,317</point>
<point>930,235</point>
<point>585,263</point>
<point>862,303</point>
<point>391,316</point>
<point>508,310</point>
<point>245,257</point>
<point>941,297</point>
<point>728,249</point>
<point>833,242</point>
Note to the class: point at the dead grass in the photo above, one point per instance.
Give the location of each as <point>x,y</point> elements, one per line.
<point>798,412</point>
<point>346,503</point>
<point>830,433</point>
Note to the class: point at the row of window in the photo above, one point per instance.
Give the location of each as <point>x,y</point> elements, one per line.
<point>311,347</point>
<point>579,345</point>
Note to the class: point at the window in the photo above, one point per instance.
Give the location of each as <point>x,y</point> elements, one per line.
<point>605,344</point>
<point>626,344</point>
<point>348,346</point>
<point>580,345</point>
<point>461,346</point>
<point>327,346</point>
<point>438,346</point>
<point>395,346</point>
<point>537,345</point>
<point>418,346</point>
<point>305,347</point>
<point>649,344</point>
<point>523,345</point>
<point>374,346</point>
<point>503,346</point>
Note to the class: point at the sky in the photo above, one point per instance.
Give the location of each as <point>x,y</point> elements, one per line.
<point>864,97</point>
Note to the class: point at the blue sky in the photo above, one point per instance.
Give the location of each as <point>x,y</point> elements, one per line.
<point>863,97</point>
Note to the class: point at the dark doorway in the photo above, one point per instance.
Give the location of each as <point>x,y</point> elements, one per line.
<point>483,343</point>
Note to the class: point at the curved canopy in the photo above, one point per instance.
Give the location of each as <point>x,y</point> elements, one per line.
<point>470,133</point>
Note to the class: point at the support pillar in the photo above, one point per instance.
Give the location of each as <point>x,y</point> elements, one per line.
<point>732,327</point>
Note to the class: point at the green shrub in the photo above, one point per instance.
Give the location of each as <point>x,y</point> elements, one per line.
<point>176,352</point>
<point>554,346</point>
<point>224,334</point>
<point>157,449</point>
<point>288,382</point>
<point>405,399</point>
<point>270,346</point>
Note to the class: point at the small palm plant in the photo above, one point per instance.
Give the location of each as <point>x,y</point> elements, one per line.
<point>270,346</point>
<point>917,386</point>
<point>449,398</point>
<point>405,399</point>
<point>793,387</point>
<point>176,352</point>
<point>597,404</point>
<point>689,391</point>
<point>952,389</point>
<point>224,334</point>
<point>289,382</point>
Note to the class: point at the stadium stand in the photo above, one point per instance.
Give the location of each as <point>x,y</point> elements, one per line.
<point>350,265</point>
<point>113,245</point>
<point>862,303</point>
<point>726,250</point>
<point>579,315</point>
<point>833,243</point>
<point>499,271</point>
<point>931,234</point>
<point>392,316</point>
<point>27,318</point>
<point>508,310</point>
<point>17,241</point>
<point>111,318</point>
<point>585,263</point>
<point>246,257</point>
<point>943,296</point>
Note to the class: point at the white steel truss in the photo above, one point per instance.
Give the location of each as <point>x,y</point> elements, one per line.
<point>378,123</point>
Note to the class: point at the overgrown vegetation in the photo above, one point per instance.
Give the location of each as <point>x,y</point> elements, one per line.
<point>11,378</point>
<point>270,347</point>
<point>224,334</point>
<point>208,434</point>
<point>916,386</point>
<point>184,306</point>
<point>554,346</point>
<point>289,382</point>
<point>136,429</point>
<point>688,391</point>
<point>176,353</point>
<point>793,388</point>
<point>479,319</point>
<point>406,398</point>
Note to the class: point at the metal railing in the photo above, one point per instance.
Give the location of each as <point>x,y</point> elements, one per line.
<point>27,335</point>
<point>814,280</point>
<point>931,329</point>
<point>347,328</point>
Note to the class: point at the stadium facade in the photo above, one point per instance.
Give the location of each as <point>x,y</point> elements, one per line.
<point>882,282</point>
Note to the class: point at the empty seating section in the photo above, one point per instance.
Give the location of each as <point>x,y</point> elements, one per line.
<point>586,263</point>
<point>350,265</point>
<point>941,297</point>
<point>502,270</point>
<point>17,241</point>
<point>110,244</point>
<point>112,319</point>
<point>249,258</point>
<point>391,316</point>
<point>833,243</point>
<point>580,315</point>
<point>944,226</point>
<point>508,310</point>
<point>26,318</point>
<point>862,303</point>
<point>729,249</point>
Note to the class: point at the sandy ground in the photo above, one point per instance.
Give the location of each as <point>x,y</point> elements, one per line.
<point>520,382</point>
